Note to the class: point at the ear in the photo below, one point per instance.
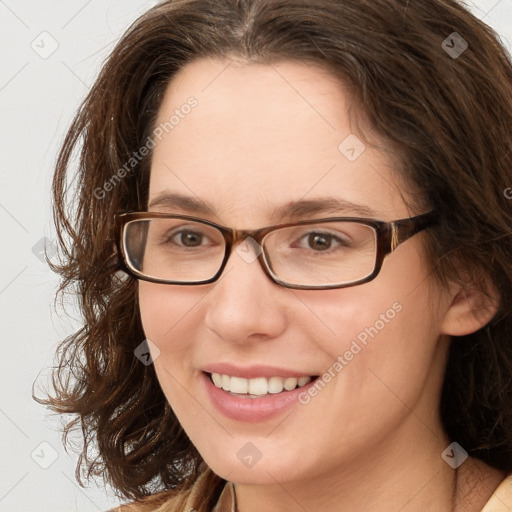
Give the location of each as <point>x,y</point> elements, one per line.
<point>471,309</point>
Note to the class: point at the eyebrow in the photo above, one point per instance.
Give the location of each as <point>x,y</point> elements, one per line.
<point>187,203</point>
<point>327,205</point>
<point>288,211</point>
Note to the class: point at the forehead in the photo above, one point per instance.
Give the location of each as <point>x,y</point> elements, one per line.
<point>260,136</point>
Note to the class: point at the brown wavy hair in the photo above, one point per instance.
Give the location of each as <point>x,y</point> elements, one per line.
<point>448,120</point>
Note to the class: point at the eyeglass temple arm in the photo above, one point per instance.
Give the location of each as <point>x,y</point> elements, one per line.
<point>402,230</point>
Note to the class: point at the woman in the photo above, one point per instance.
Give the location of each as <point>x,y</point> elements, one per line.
<point>311,307</point>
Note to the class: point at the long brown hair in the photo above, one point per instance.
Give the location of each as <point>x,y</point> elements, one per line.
<point>448,117</point>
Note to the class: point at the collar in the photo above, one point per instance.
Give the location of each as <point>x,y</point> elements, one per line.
<point>227,499</point>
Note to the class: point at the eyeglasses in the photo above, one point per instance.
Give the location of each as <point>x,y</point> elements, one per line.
<point>314,254</point>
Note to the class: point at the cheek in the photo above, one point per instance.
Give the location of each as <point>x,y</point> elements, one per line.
<point>383,360</point>
<point>384,334</point>
<point>167,315</point>
<point>169,319</point>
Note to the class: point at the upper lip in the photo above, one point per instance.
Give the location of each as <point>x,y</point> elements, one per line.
<point>253,371</point>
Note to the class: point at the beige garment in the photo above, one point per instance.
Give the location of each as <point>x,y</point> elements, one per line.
<point>193,500</point>
<point>501,499</point>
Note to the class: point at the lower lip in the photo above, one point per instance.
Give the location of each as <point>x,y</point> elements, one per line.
<point>252,409</point>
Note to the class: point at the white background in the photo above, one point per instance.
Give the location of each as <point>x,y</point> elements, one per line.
<point>38,97</point>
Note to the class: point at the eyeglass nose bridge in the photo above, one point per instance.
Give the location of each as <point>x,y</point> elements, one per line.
<point>252,239</point>
<point>232,236</point>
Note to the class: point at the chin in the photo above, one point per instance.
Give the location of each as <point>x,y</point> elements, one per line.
<point>259,474</point>
<point>250,466</point>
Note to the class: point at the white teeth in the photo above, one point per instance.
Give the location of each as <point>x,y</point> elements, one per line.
<point>256,386</point>
<point>217,379</point>
<point>259,386</point>
<point>237,385</point>
<point>226,382</point>
<point>275,385</point>
<point>290,383</point>
<point>303,381</point>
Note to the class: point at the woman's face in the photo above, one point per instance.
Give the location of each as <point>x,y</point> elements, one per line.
<point>259,139</point>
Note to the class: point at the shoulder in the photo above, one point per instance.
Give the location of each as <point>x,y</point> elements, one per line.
<point>207,487</point>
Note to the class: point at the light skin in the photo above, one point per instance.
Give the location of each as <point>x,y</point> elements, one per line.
<point>262,136</point>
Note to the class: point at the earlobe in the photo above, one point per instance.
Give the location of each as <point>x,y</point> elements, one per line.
<point>471,309</point>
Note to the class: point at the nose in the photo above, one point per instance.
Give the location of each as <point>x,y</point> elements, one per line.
<point>244,304</point>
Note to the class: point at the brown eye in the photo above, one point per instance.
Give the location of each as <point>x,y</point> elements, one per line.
<point>189,238</point>
<point>319,241</point>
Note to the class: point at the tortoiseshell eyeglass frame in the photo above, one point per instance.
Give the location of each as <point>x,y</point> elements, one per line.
<point>389,235</point>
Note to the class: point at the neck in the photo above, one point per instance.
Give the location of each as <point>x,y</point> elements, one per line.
<point>410,477</point>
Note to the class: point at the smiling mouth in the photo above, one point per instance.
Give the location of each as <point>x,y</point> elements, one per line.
<point>259,386</point>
